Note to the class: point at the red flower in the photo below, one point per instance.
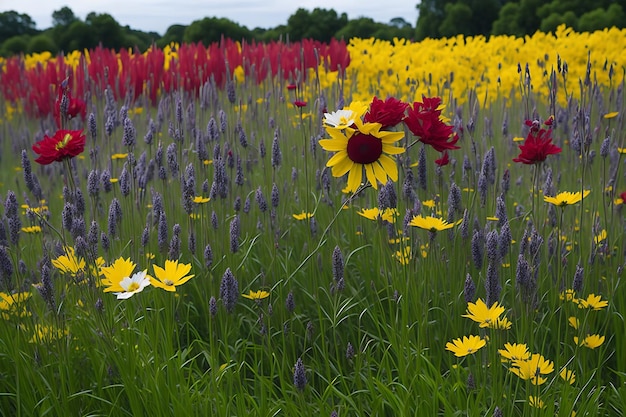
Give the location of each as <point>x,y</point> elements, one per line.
<point>623,197</point>
<point>299,103</point>
<point>75,106</point>
<point>291,86</point>
<point>537,147</point>
<point>423,120</point>
<point>388,113</point>
<point>444,160</point>
<point>64,144</point>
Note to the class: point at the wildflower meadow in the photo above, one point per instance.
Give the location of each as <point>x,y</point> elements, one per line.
<point>359,228</point>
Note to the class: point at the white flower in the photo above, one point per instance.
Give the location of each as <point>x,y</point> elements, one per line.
<point>133,285</point>
<point>340,119</point>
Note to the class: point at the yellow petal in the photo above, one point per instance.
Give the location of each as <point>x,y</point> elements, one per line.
<point>390,167</point>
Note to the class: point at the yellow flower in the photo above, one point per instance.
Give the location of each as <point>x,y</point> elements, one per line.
<point>433,224</point>
<point>429,203</point>
<point>536,402</point>
<point>302,216</point>
<point>569,295</point>
<point>363,147</point>
<point>466,346</point>
<point>12,305</point>
<point>31,229</point>
<point>566,198</point>
<point>533,368</point>
<point>173,275</point>
<point>119,156</point>
<point>518,139</point>
<point>611,115</point>
<point>591,341</point>
<point>514,352</point>
<point>601,237</point>
<point>69,263</point>
<point>568,376</point>
<point>403,256</point>
<point>256,295</point>
<point>46,334</point>
<point>114,274</point>
<point>593,301</point>
<point>480,313</point>
<point>574,322</point>
<point>201,200</point>
<point>389,214</point>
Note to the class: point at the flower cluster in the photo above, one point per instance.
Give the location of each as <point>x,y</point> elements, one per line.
<point>538,144</point>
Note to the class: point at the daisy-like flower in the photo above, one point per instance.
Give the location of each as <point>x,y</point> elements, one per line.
<point>593,301</point>
<point>388,214</point>
<point>485,316</point>
<point>433,224</point>
<point>591,341</point>
<point>69,263</point>
<point>256,295</point>
<point>466,345</point>
<point>115,273</point>
<point>302,216</point>
<point>568,375</point>
<point>64,144</point>
<point>173,275</point>
<point>132,285</point>
<point>345,117</point>
<point>566,198</point>
<point>533,368</point>
<point>363,147</point>
<point>12,305</point>
<point>514,352</point>
<point>536,402</point>
<point>387,112</point>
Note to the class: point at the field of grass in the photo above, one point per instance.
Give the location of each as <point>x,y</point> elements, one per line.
<point>299,304</point>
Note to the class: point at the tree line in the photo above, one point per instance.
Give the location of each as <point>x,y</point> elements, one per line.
<point>436,19</point>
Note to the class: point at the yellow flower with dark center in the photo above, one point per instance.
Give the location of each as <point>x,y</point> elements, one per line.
<point>593,301</point>
<point>388,214</point>
<point>256,295</point>
<point>566,198</point>
<point>173,275</point>
<point>466,345</point>
<point>514,352</point>
<point>533,368</point>
<point>364,147</point>
<point>302,216</point>
<point>485,316</point>
<point>69,263</point>
<point>433,224</point>
<point>114,274</point>
<point>591,341</point>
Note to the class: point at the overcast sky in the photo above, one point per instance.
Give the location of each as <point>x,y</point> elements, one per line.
<point>158,15</point>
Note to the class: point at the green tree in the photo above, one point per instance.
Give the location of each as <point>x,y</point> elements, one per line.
<point>13,24</point>
<point>14,45</point>
<point>363,27</point>
<point>550,23</point>
<point>439,18</point>
<point>41,43</point>
<point>458,19</point>
<point>63,17</point>
<point>320,24</point>
<point>174,33</point>
<point>106,29</point>
<point>79,35</point>
<point>211,29</point>
<point>599,19</point>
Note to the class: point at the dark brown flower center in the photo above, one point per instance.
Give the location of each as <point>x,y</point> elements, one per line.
<point>364,149</point>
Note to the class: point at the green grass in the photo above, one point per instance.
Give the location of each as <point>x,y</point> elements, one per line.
<point>162,353</point>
